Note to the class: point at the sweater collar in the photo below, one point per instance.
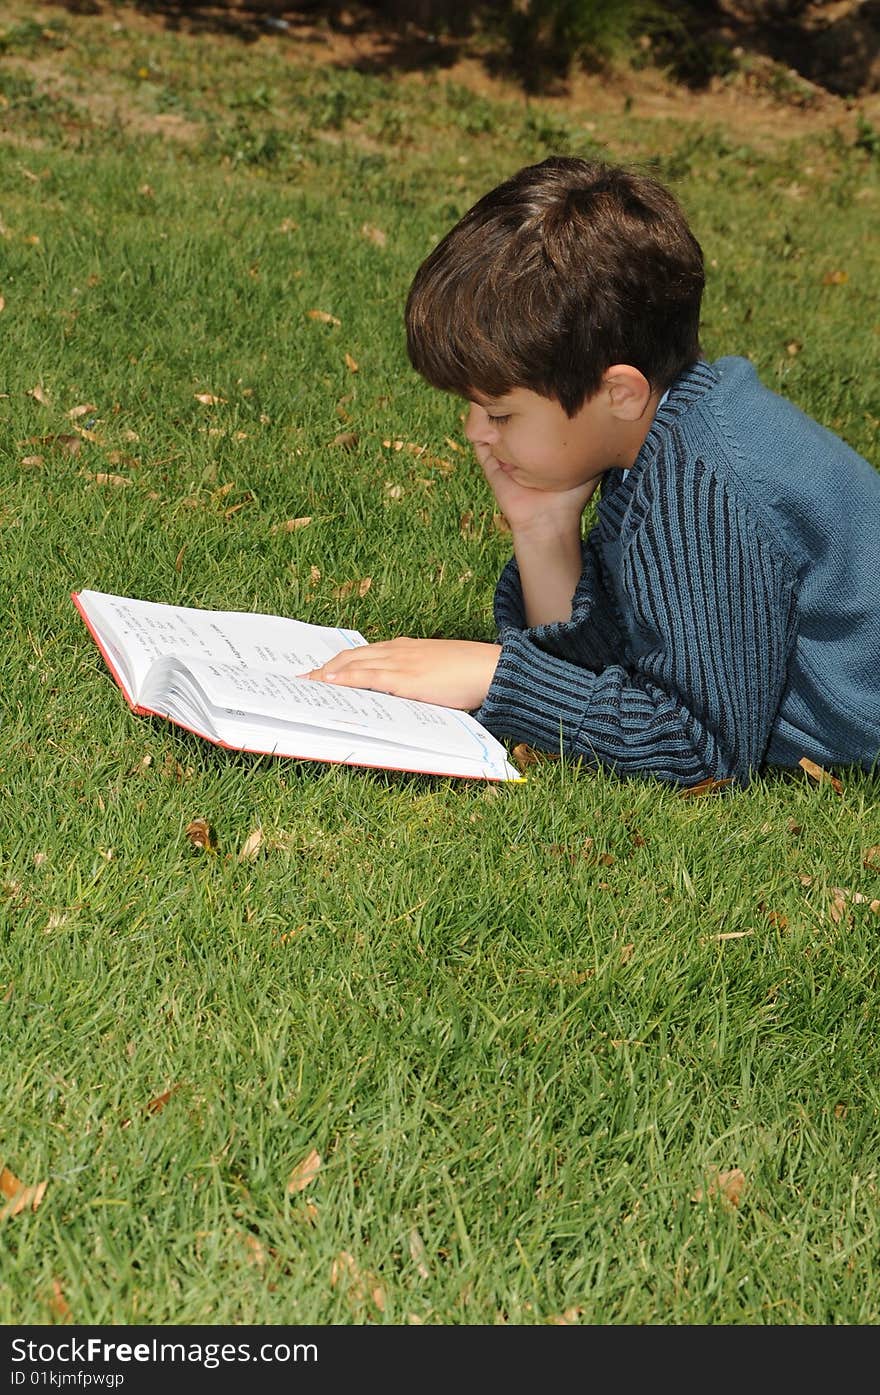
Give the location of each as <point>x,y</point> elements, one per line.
<point>690,385</point>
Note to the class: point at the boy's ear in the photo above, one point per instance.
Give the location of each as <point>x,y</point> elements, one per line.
<point>629,391</point>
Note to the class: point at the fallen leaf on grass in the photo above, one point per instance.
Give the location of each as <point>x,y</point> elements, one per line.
<point>524,755</point>
<point>290,525</point>
<point>871,859</point>
<point>500,523</point>
<point>351,364</point>
<point>2,304</point>
<point>31,461</point>
<point>360,1287</point>
<point>201,835</point>
<point>418,1253</point>
<point>323,316</point>
<point>374,234</point>
<point>103,477</point>
<point>835,278</point>
<point>707,786</point>
<point>209,399</point>
<point>346,589</point>
<point>841,895</point>
<point>821,776</point>
<point>156,1105</point>
<point>38,395</point>
<point>305,1172</point>
<point>58,1304</point>
<point>728,1186</point>
<point>571,1315</point>
<point>251,846</point>
<point>347,439</point>
<point>19,1195</point>
<point>82,411</point>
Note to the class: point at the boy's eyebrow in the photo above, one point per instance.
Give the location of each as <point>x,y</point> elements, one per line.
<point>487,402</point>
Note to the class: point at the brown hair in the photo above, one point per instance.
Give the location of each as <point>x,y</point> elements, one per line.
<point>564,269</point>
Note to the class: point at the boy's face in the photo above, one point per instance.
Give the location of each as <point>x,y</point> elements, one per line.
<point>533,440</point>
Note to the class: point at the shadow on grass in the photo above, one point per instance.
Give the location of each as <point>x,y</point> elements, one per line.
<point>387,44</point>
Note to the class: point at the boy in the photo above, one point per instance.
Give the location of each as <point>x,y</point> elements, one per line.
<point>723,612</point>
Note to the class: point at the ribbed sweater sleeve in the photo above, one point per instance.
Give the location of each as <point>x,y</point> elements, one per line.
<point>677,668</point>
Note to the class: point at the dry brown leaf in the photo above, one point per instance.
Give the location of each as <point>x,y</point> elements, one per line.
<point>347,439</point>
<point>305,1173</point>
<point>374,234</point>
<point>156,1105</point>
<point>70,444</point>
<point>209,399</point>
<point>351,363</point>
<point>841,895</point>
<point>418,1253</point>
<point>103,477</point>
<point>871,858</point>
<point>256,1254</point>
<point>178,561</point>
<point>571,1315</point>
<point>31,461</point>
<point>835,278</point>
<point>729,1186</point>
<point>347,588</point>
<point>290,525</point>
<point>38,395</point>
<point>323,317</point>
<point>393,491</point>
<point>2,304</point>
<point>201,835</point>
<point>251,846</point>
<point>707,786</point>
<point>524,755</point>
<point>821,776</point>
<point>58,1304</point>
<point>793,347</point>
<point>82,411</point>
<point>500,523</point>
<point>360,1286</point>
<point>19,1195</point>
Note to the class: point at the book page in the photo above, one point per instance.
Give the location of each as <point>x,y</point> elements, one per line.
<point>245,695</point>
<point>140,632</point>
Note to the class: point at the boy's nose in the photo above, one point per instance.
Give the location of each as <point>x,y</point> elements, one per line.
<point>478,428</point>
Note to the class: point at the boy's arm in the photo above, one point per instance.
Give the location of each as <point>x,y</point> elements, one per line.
<point>713,614</point>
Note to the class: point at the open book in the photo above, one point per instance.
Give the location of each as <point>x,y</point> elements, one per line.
<point>232,678</point>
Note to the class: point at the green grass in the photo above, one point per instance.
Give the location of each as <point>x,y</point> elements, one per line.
<point>523,1026</point>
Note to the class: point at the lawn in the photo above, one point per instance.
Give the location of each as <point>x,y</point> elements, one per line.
<point>576,1050</point>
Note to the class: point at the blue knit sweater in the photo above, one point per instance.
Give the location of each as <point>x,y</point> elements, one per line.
<point>728,612</point>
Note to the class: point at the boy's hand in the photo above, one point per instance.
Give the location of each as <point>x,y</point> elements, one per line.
<point>450,672</point>
<point>534,510</point>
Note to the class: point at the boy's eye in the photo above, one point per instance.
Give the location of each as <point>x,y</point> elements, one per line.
<point>498,421</point>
